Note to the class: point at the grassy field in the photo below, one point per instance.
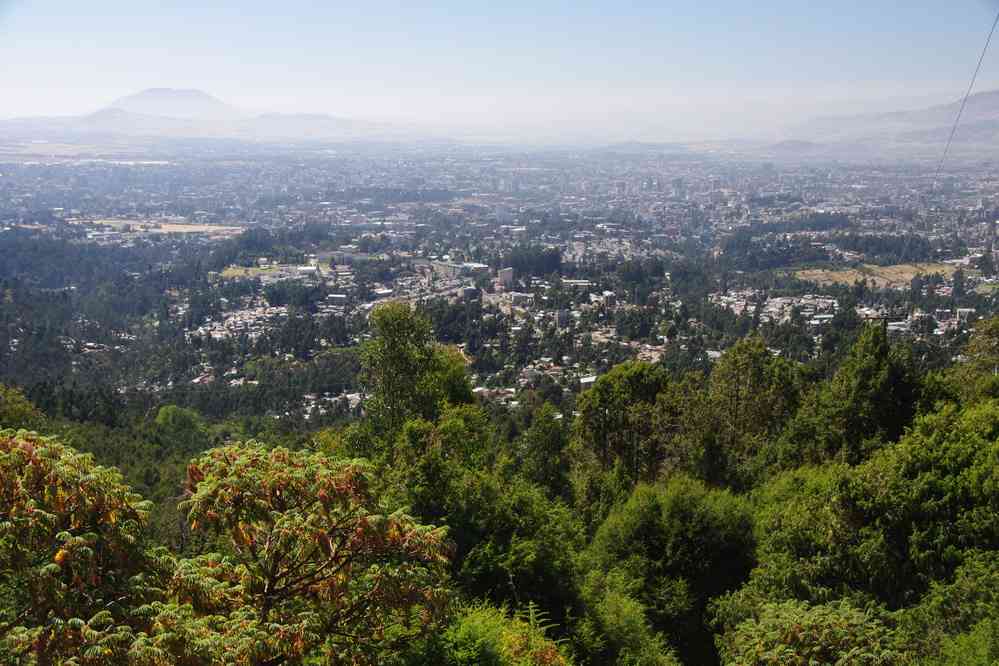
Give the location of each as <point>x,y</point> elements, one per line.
<point>244,272</point>
<point>172,227</point>
<point>882,276</point>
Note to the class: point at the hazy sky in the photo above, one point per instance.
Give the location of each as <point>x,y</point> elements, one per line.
<point>615,69</point>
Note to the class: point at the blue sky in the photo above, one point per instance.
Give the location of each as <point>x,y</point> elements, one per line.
<point>669,68</point>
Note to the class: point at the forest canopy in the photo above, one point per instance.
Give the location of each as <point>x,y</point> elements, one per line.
<point>756,510</point>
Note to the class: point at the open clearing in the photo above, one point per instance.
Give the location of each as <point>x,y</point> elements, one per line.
<point>898,275</point>
<point>232,272</point>
<point>214,230</point>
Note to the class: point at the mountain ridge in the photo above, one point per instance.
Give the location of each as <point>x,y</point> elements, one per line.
<point>173,113</point>
<point>927,123</point>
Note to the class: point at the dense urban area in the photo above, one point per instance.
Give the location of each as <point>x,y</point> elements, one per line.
<point>544,269</point>
<point>640,404</point>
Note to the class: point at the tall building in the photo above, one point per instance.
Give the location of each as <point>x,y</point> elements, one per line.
<point>505,276</point>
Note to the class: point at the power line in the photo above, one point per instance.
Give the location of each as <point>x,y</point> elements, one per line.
<point>960,112</point>
<point>957,119</point>
<point>964,102</point>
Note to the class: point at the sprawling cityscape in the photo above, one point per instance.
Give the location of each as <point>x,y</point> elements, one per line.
<point>499,334</point>
<point>581,322</point>
<point>544,267</point>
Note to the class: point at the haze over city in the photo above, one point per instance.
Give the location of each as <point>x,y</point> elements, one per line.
<point>499,333</point>
<point>517,71</point>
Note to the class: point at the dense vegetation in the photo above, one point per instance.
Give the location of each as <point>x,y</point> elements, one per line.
<point>756,510</point>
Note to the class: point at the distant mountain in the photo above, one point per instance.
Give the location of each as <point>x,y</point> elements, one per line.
<point>791,147</point>
<point>168,113</point>
<point>176,103</point>
<point>928,125</point>
<point>310,125</point>
<point>914,134</point>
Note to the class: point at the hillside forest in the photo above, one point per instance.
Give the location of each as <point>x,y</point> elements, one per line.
<point>757,510</point>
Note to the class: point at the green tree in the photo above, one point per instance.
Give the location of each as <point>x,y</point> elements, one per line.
<point>868,402</point>
<point>679,545</point>
<point>614,414</point>
<point>976,376</point>
<point>978,646</point>
<point>181,431</point>
<point>954,611</point>
<point>512,544</point>
<point>407,374</point>
<point>927,501</point>
<point>886,530</point>
<point>684,431</point>
<point>399,356</point>
<point>959,289</point>
<point>482,635</point>
<point>542,452</point>
<point>804,541</point>
<point>17,412</point>
<point>752,394</point>
<point>616,628</point>
<point>826,635</point>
